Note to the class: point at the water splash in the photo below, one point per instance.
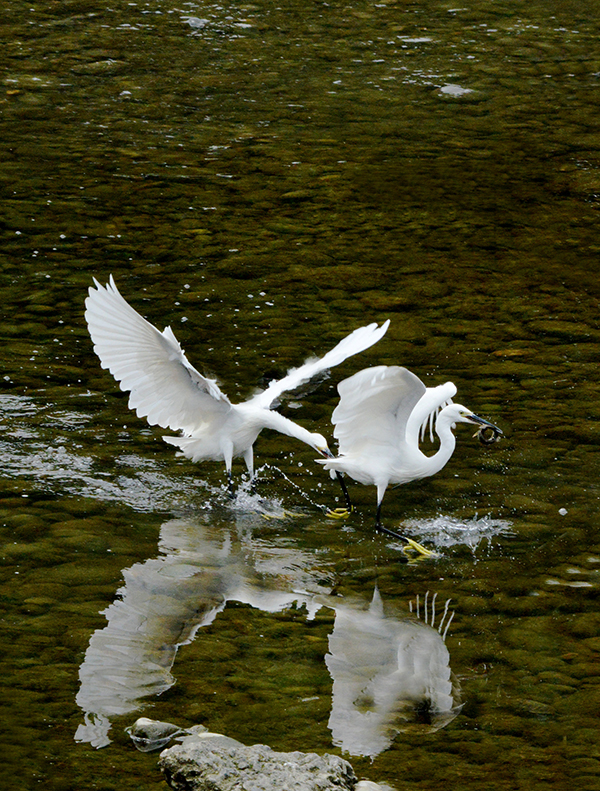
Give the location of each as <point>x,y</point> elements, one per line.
<point>298,490</point>
<point>37,446</point>
<point>448,531</point>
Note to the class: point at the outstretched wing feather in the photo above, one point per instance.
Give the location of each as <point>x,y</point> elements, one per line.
<point>164,387</point>
<point>359,340</point>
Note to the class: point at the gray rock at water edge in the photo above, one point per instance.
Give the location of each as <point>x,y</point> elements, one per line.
<point>148,735</point>
<point>211,762</point>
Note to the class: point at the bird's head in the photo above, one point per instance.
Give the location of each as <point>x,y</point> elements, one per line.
<point>319,443</point>
<point>457,413</point>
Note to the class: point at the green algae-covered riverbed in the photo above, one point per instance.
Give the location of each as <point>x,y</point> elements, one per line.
<point>265,178</point>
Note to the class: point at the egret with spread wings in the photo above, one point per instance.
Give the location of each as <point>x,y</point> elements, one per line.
<point>169,392</point>
<point>382,415</point>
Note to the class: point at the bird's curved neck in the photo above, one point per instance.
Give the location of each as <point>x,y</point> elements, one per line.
<point>434,463</point>
<point>443,428</point>
<point>278,422</point>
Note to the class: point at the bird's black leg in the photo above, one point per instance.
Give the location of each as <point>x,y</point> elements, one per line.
<point>341,513</point>
<point>389,532</point>
<point>347,499</point>
<point>386,530</point>
<point>407,541</point>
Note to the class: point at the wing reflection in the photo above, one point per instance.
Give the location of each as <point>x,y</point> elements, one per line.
<point>165,601</point>
<point>390,672</point>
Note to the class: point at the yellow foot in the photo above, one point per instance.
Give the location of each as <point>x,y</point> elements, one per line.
<point>410,544</point>
<point>338,513</point>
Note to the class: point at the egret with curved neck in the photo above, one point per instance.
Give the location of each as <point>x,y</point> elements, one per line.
<point>382,415</point>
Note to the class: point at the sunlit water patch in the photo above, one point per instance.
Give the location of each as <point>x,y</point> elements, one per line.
<point>58,468</point>
<point>583,573</point>
<point>42,444</point>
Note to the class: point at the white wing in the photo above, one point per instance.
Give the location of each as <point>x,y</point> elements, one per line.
<point>359,340</point>
<point>165,388</point>
<point>375,405</point>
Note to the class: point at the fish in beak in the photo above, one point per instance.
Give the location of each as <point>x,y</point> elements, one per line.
<point>487,433</point>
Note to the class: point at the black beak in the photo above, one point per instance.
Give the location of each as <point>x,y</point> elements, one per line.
<point>483,422</point>
<point>326,452</point>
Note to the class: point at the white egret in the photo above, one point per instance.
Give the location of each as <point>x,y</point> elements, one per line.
<point>169,392</point>
<point>382,415</point>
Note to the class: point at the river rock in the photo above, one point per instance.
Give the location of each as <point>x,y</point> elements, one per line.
<point>149,735</point>
<point>212,762</point>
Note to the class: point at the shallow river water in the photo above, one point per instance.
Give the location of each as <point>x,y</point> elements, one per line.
<point>266,177</point>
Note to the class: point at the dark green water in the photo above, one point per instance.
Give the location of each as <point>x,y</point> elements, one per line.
<point>265,178</point>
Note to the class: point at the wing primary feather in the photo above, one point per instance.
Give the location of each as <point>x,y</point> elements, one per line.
<point>164,387</point>
<point>359,340</point>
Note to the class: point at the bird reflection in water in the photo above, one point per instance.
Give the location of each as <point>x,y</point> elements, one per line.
<point>390,670</point>
<point>166,600</point>
<point>391,674</point>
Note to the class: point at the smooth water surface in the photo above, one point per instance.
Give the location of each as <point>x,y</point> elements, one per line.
<point>265,178</point>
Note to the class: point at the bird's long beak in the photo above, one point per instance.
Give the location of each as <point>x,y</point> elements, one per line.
<point>326,452</point>
<point>483,422</point>
<point>486,426</point>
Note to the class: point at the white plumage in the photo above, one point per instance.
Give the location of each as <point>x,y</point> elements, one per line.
<point>169,392</point>
<point>382,414</point>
